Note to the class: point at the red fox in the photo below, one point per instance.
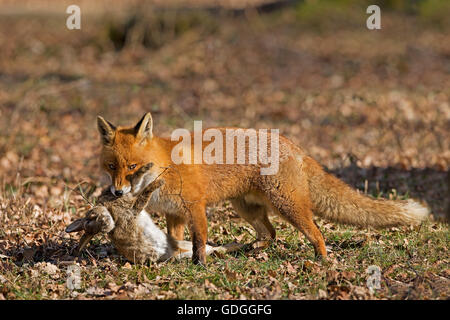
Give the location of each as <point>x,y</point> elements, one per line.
<point>298,189</point>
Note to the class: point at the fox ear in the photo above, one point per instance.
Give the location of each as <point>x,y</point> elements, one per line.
<point>144,128</point>
<point>106,129</point>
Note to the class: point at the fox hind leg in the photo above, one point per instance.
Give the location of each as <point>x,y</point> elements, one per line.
<point>257,216</point>
<point>305,223</point>
<point>175,226</point>
<point>295,207</point>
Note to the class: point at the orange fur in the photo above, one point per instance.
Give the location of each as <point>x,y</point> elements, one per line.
<point>300,188</point>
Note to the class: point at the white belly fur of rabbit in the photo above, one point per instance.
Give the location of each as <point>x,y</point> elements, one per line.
<point>155,238</point>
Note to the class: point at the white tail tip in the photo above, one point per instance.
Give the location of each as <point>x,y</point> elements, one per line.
<point>415,211</point>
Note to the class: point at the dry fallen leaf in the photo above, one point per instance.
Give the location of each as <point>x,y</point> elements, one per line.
<point>210,286</point>
<point>348,275</point>
<point>322,294</point>
<point>50,268</point>
<point>290,268</point>
<point>231,276</point>
<point>127,265</point>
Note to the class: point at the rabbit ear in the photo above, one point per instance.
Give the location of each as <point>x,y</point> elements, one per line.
<point>83,243</point>
<point>77,225</point>
<point>140,178</point>
<point>143,198</point>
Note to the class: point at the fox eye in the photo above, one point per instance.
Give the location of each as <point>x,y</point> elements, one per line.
<point>112,166</point>
<point>132,166</point>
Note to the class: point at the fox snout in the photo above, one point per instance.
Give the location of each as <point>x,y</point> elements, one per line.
<point>120,187</point>
<point>120,192</point>
<point>136,181</point>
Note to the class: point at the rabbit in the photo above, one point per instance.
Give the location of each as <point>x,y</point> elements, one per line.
<point>131,229</point>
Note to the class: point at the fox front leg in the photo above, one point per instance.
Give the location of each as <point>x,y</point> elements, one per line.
<point>199,232</point>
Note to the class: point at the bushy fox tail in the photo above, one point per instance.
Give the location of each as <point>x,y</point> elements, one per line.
<point>336,201</point>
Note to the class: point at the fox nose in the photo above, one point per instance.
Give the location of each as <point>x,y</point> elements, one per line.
<point>118,193</point>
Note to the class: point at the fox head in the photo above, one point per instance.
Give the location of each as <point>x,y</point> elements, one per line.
<point>125,150</point>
